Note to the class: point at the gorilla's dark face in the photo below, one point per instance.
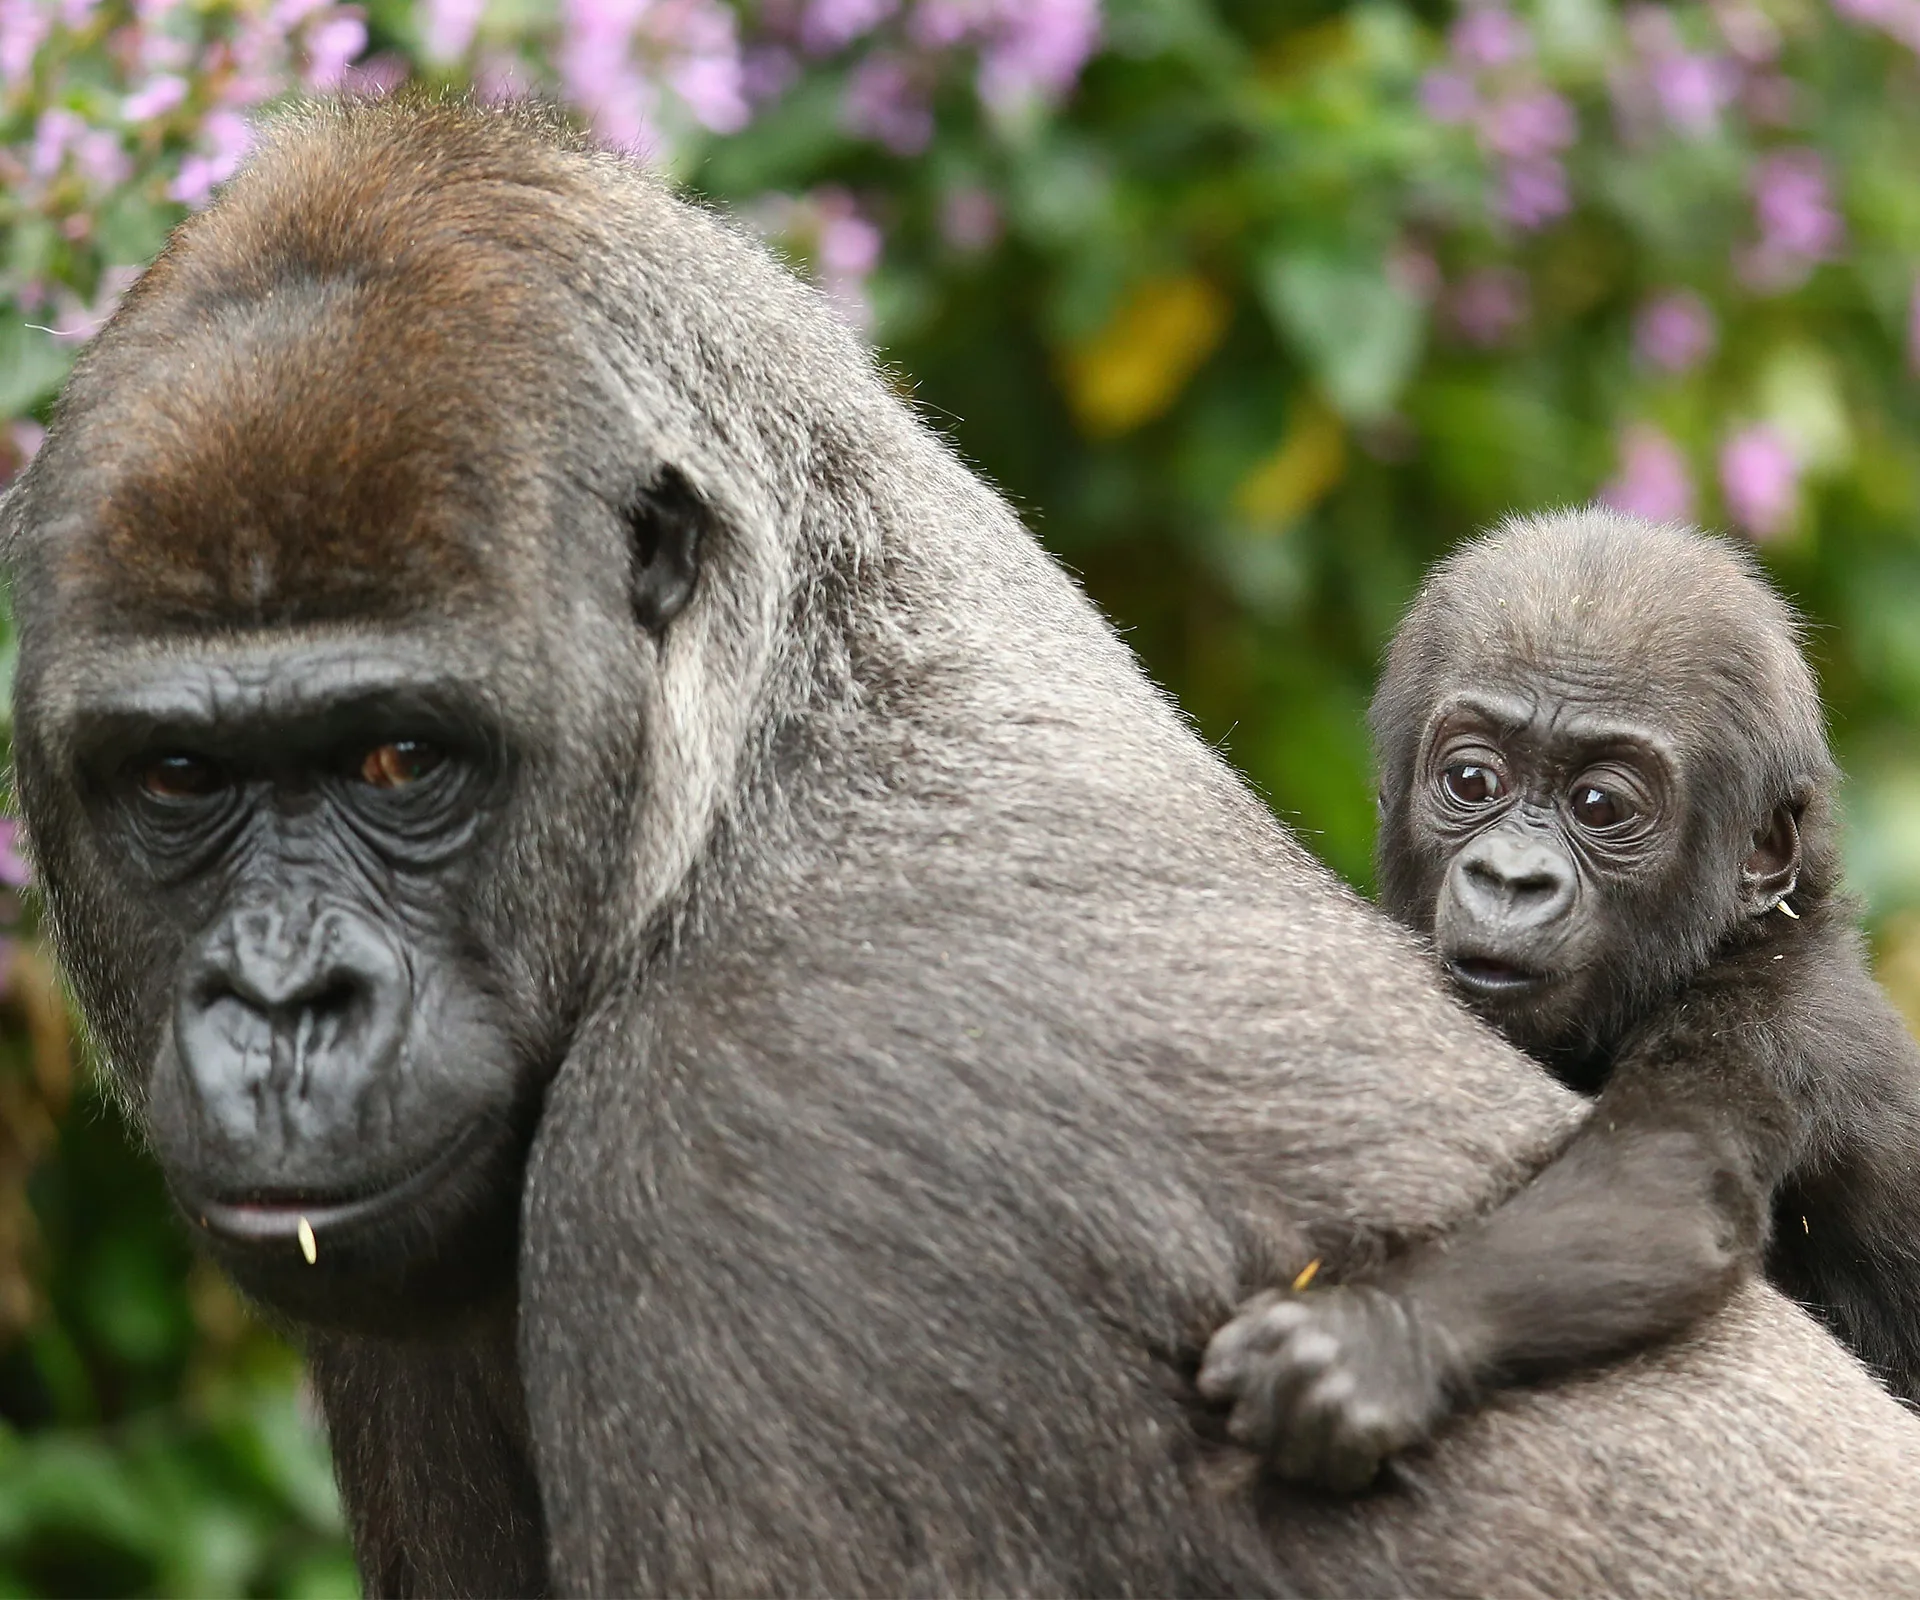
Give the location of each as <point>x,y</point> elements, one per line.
<point>1560,844</point>
<point>345,619</point>
<point>335,1077</point>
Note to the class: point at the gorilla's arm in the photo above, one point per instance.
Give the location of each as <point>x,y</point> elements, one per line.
<point>1846,1226</point>
<point>1643,1224</point>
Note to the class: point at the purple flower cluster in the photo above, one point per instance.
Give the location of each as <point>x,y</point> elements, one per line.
<point>1662,84</point>
<point>153,97</point>
<point>1898,19</point>
<point>1674,332</point>
<point>1490,82</point>
<point>1760,480</point>
<point>630,64</point>
<point>1025,52</point>
<point>827,225</point>
<point>156,97</point>
<point>1653,480</point>
<point>15,871</point>
<point>1798,224</point>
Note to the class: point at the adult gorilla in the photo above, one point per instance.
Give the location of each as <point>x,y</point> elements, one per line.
<point>512,709</point>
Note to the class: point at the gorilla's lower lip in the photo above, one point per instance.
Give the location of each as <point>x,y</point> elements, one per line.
<point>1488,977</point>
<point>274,1218</point>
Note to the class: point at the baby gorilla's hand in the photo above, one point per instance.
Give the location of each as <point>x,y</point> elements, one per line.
<point>1326,1385</point>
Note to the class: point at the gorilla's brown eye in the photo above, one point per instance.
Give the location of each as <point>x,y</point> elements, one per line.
<point>181,777</point>
<point>1471,783</point>
<point>1594,807</point>
<point>394,766</point>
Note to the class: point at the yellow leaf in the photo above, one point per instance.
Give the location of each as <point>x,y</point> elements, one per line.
<point>1297,473</point>
<point>1134,368</point>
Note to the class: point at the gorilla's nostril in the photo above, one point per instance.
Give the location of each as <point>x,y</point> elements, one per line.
<point>339,995</point>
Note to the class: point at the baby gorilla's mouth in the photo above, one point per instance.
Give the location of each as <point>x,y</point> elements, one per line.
<point>1484,976</point>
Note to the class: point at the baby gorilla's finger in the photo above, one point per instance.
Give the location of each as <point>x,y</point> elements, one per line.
<point>1257,1327</point>
<point>1293,1354</point>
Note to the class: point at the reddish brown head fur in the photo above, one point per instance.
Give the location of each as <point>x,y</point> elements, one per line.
<point>297,413</point>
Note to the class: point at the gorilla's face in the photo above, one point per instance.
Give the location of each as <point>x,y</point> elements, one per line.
<point>332,690</point>
<point>297,829</point>
<point>1568,870</point>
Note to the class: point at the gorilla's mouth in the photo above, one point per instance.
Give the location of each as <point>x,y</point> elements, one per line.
<point>275,1217</point>
<point>1486,977</point>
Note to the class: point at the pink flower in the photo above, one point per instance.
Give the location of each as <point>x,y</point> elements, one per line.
<point>1489,304</point>
<point>615,56</point>
<point>375,75</point>
<point>1449,96</point>
<point>99,155</point>
<point>1750,33</point>
<point>1674,332</point>
<point>845,245</point>
<point>1798,223</point>
<point>942,24</point>
<point>225,137</point>
<point>1795,211</point>
<point>1693,90</point>
<point>1038,49</point>
<point>155,98</point>
<point>14,869</point>
<point>1759,479</point>
<point>710,86</point>
<point>1653,480</point>
<point>1488,35</point>
<point>1533,124</point>
<point>1898,19</point>
<point>849,244</point>
<point>287,15</point>
<point>830,25</point>
<point>1534,192</point>
<point>57,131</point>
<point>970,222</point>
<point>23,25</point>
<point>447,28</point>
<point>499,77</point>
<point>887,102</point>
<point>767,71</point>
<point>331,46</point>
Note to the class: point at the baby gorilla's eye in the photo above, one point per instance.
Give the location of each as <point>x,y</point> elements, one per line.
<point>180,777</point>
<point>1594,807</point>
<point>1471,783</point>
<point>395,765</point>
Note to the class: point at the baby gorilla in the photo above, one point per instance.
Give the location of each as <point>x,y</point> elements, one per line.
<point>1606,797</point>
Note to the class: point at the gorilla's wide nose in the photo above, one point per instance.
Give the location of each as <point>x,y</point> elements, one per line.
<point>1513,883</point>
<point>287,1015</point>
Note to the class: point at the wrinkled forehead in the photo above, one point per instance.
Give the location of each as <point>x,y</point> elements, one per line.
<point>320,449</point>
<point>1556,695</point>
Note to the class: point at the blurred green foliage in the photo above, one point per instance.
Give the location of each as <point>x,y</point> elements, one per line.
<point>1283,298</point>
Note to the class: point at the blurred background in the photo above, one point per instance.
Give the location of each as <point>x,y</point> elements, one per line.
<point>1253,307</point>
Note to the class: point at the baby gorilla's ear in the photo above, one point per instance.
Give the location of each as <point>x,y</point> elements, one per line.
<point>1772,868</point>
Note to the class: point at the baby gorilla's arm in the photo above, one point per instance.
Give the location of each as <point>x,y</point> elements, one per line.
<point>1644,1223</point>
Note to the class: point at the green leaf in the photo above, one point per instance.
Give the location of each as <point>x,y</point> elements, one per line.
<point>1359,331</point>
<point>32,365</point>
<point>133,227</point>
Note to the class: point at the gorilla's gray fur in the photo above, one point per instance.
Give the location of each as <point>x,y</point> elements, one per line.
<point>941,1039</point>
